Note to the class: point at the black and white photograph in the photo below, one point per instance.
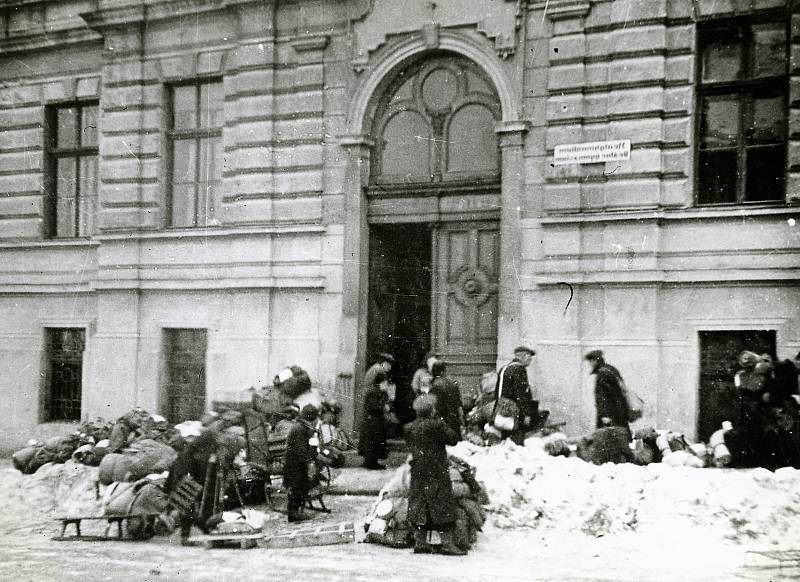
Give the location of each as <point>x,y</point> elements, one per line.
<point>400,290</point>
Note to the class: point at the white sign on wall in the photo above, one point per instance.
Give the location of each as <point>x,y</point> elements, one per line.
<point>592,152</point>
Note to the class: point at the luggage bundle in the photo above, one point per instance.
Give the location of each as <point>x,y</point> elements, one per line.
<point>53,450</point>
<point>389,525</point>
<point>387,521</point>
<point>274,403</point>
<point>470,496</point>
<point>145,498</point>
<point>142,458</point>
<point>61,449</point>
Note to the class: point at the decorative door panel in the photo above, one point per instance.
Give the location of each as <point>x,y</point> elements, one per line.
<point>466,272</point>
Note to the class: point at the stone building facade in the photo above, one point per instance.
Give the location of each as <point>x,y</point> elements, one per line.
<point>196,193</point>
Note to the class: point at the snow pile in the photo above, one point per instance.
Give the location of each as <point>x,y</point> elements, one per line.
<point>529,488</point>
<point>55,490</point>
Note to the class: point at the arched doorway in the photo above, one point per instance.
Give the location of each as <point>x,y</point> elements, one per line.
<point>433,208</point>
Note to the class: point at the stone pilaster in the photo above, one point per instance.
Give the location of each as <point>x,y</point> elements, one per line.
<point>355,268</point>
<point>512,142</point>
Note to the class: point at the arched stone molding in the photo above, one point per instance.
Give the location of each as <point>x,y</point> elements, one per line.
<point>356,142</point>
<point>485,57</point>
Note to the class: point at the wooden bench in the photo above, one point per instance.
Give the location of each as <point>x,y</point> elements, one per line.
<point>111,520</point>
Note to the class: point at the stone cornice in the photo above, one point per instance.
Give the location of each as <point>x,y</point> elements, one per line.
<point>304,43</point>
<point>47,40</point>
<point>373,23</point>
<point>564,9</point>
<point>165,9</point>
<point>356,140</point>
<point>511,133</point>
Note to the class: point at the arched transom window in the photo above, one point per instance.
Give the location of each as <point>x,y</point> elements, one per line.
<point>436,124</point>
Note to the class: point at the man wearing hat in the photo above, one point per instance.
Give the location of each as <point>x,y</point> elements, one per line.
<point>373,434</point>
<point>512,383</point>
<point>609,398</point>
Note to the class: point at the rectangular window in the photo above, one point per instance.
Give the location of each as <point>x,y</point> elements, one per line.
<point>71,173</point>
<point>742,111</point>
<point>195,153</point>
<point>64,374</point>
<point>184,390</point>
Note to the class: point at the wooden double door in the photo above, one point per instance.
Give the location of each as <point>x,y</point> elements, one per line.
<point>434,287</point>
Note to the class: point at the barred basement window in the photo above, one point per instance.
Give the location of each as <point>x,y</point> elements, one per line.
<point>742,108</point>
<point>71,171</point>
<point>195,154</point>
<point>183,394</point>
<point>64,374</point>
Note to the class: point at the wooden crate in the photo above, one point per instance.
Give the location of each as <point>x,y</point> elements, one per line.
<point>320,535</point>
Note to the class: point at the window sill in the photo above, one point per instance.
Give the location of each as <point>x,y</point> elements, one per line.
<point>693,213</point>
<point>210,231</point>
<point>49,243</point>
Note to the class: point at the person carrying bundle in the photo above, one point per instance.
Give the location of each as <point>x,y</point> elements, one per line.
<point>513,387</point>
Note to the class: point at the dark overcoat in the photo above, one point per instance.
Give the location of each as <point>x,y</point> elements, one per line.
<point>609,397</point>
<point>372,436</point>
<point>516,387</point>
<point>430,497</point>
<point>298,455</point>
<point>448,402</point>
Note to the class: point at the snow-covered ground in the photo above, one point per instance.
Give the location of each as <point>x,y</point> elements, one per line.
<point>551,518</point>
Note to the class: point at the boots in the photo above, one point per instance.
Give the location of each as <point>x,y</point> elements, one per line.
<point>448,547</point>
<point>421,545</point>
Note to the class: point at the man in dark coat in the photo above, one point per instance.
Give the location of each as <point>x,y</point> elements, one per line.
<point>431,504</point>
<point>448,398</point>
<point>609,395</point>
<point>299,461</point>
<point>512,383</point>
<point>373,434</point>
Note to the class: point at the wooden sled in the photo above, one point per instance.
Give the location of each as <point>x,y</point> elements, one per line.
<point>320,535</point>
<point>244,541</point>
<point>111,520</point>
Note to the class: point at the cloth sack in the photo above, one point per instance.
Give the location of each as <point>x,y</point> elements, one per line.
<point>633,400</point>
<point>506,411</point>
<point>145,498</point>
<point>505,414</point>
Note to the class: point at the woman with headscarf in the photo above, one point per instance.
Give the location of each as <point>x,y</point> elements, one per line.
<point>431,504</point>
<point>422,379</point>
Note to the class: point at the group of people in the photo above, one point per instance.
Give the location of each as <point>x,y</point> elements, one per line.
<point>377,418</point>
<point>439,423</point>
<point>766,431</point>
<point>511,395</point>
